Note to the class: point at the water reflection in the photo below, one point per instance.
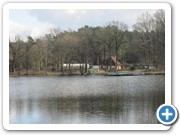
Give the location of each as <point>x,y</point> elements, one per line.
<point>95,99</point>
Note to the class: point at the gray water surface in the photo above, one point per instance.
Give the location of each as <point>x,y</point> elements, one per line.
<point>86,99</point>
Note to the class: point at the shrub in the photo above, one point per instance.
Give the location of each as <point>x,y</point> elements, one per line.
<point>132,68</point>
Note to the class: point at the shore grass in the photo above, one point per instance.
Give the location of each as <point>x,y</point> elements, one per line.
<point>96,72</point>
<point>102,72</point>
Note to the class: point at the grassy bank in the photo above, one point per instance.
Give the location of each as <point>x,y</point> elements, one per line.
<point>42,73</point>
<point>102,72</point>
<point>96,72</point>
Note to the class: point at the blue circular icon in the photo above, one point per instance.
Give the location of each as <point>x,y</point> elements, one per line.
<point>167,114</point>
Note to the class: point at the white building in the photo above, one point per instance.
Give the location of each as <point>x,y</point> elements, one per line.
<point>75,65</point>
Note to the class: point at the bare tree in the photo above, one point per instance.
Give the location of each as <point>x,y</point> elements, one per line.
<point>119,37</point>
<point>145,26</point>
<point>16,53</point>
<point>28,45</point>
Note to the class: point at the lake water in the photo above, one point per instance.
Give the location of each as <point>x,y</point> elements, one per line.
<point>86,99</point>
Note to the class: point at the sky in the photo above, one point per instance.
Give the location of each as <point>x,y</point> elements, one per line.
<point>38,22</point>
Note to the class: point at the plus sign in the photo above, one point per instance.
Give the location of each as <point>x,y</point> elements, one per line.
<point>167,114</point>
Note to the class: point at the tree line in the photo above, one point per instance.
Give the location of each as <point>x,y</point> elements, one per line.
<point>144,45</point>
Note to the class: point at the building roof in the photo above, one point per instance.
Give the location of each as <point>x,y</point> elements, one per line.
<point>114,60</point>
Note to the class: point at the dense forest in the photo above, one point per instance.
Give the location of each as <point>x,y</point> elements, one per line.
<point>141,47</point>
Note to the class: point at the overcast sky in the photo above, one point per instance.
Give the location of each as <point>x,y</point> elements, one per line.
<point>37,22</point>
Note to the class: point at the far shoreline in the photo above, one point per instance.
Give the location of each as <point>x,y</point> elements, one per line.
<point>100,72</point>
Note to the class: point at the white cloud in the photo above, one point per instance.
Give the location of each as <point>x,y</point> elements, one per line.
<point>75,18</point>
<point>70,11</point>
<point>39,22</point>
<point>44,29</point>
<point>75,12</point>
<point>22,30</point>
<point>16,29</point>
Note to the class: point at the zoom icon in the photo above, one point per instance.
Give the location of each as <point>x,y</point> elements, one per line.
<point>167,114</point>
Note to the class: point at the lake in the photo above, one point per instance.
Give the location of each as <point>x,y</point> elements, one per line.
<point>86,99</point>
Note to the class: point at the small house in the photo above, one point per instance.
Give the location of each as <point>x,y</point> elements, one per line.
<point>116,64</point>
